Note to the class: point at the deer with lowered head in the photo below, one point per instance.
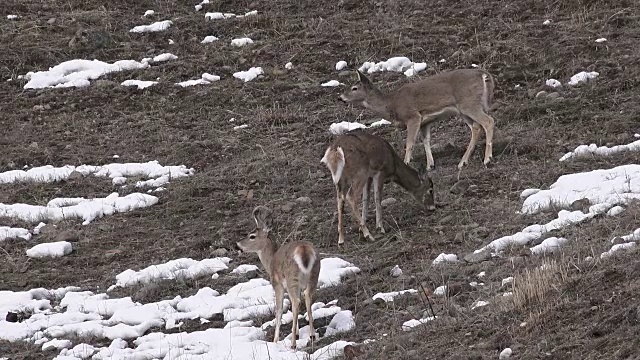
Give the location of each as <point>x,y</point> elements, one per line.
<point>357,160</point>
<point>294,267</point>
<point>416,106</point>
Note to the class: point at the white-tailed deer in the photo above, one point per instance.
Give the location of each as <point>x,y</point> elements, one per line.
<point>293,267</point>
<point>358,159</point>
<point>415,106</point>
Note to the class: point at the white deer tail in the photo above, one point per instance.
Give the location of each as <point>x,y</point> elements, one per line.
<point>305,257</point>
<point>334,159</point>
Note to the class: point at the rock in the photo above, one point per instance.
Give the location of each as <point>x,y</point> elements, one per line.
<point>459,237</point>
<point>51,21</point>
<point>220,252</point>
<point>251,274</point>
<point>478,257</point>
<point>352,352</point>
<point>304,200</point>
<point>12,317</point>
<point>388,201</point>
<point>75,175</point>
<point>553,95</point>
<point>67,235</point>
<point>581,205</point>
<point>531,92</point>
<point>344,73</point>
<point>33,145</point>
<point>541,94</point>
<point>396,271</point>
<point>38,107</point>
<point>460,187</point>
<point>617,240</point>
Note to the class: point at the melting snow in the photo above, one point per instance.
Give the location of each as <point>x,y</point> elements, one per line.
<point>380,123</point>
<point>397,64</point>
<point>77,73</point>
<point>605,188</point>
<point>551,244</point>
<point>341,322</point>
<point>478,304</point>
<point>241,42</point>
<point>341,65</point>
<point>148,13</point>
<point>240,127</point>
<point>408,325</point>
<point>164,57</point>
<point>582,77</point>
<point>156,26</point>
<point>445,258</point>
<point>245,268</point>
<point>184,268</point>
<point>332,83</point>
<point>9,232</point>
<point>208,39</point>
<point>332,270</point>
<point>553,83</point>
<point>218,15</point>
<point>388,297</point>
<point>584,150</point>
<point>141,84</point>
<point>12,17</point>
<point>288,66</point>
<point>248,75</point>
<point>440,290</point>
<point>601,40</point>
<point>53,249</point>
<point>206,79</point>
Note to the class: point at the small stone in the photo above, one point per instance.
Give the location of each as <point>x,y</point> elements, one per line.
<point>459,237</point>
<point>531,92</point>
<point>12,317</point>
<point>220,252</point>
<point>38,107</point>
<point>553,95</point>
<point>396,271</point>
<point>251,274</point>
<point>51,21</point>
<point>478,257</point>
<point>278,72</point>
<point>594,308</point>
<point>287,207</point>
<point>351,352</point>
<point>617,240</point>
<point>388,201</point>
<point>304,200</point>
<point>33,145</point>
<point>541,94</point>
<point>67,235</point>
<point>460,187</point>
<point>581,205</point>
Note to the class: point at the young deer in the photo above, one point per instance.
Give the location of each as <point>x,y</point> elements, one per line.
<point>294,266</point>
<point>358,159</point>
<point>415,106</point>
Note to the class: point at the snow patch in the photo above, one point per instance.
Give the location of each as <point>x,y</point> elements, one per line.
<point>445,258</point>
<point>593,149</point>
<point>248,75</point>
<point>388,297</point>
<point>184,268</point>
<point>155,27</point>
<point>408,325</point>
<point>341,65</point>
<point>396,64</point>
<point>331,83</point>
<point>208,39</point>
<point>53,249</point>
<point>141,84</point>
<point>241,42</point>
<point>582,77</point>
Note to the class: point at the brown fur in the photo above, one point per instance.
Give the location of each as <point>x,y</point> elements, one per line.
<point>467,93</point>
<point>369,159</point>
<point>285,273</point>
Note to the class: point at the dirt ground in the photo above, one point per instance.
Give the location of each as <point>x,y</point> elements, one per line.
<point>579,310</point>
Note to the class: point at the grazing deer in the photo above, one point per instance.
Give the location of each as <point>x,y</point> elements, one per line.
<point>415,106</point>
<point>294,266</point>
<point>358,159</point>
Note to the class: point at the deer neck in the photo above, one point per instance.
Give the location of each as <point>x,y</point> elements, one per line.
<point>267,254</point>
<point>379,103</point>
<point>406,177</point>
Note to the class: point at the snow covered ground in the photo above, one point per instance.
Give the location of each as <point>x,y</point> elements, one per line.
<point>63,315</point>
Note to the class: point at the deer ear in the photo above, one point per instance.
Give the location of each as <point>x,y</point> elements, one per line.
<point>362,77</point>
<point>260,216</point>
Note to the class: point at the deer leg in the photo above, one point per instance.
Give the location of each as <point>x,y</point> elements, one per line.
<point>308,295</point>
<point>426,141</point>
<point>351,199</point>
<point>413,131</point>
<point>377,198</point>
<point>365,201</point>
<point>294,295</point>
<point>487,124</point>
<point>279,290</point>
<point>340,200</point>
<point>475,132</point>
